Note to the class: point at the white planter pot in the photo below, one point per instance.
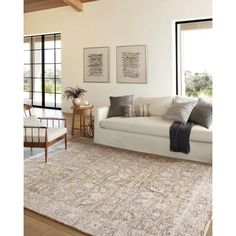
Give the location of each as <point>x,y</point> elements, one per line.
<point>76,102</point>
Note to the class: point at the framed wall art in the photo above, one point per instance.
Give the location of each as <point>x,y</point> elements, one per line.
<point>96,64</point>
<point>131,64</point>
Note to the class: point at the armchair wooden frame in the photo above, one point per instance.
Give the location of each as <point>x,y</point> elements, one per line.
<point>36,141</point>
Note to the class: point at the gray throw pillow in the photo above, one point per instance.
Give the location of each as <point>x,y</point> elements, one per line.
<point>202,113</point>
<point>137,110</point>
<point>180,111</point>
<point>118,103</point>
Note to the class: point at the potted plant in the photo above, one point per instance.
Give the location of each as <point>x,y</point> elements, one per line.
<point>75,94</point>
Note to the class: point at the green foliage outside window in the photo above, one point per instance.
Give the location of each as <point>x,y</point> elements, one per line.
<point>26,85</point>
<point>198,84</point>
<point>27,73</point>
<point>49,73</point>
<point>49,86</point>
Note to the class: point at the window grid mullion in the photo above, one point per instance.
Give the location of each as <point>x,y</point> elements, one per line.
<point>43,70</point>
<point>43,73</point>
<point>54,70</point>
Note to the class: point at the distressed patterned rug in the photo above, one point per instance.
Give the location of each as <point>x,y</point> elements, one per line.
<point>106,191</point>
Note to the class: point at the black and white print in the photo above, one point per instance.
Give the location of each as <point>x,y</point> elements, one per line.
<point>131,64</point>
<point>96,65</point>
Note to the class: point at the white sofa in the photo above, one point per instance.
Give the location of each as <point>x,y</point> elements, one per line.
<point>150,134</point>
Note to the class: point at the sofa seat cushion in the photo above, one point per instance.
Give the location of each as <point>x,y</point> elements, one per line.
<point>153,125</point>
<point>53,133</point>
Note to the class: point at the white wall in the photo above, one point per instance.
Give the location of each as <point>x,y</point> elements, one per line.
<point>118,22</point>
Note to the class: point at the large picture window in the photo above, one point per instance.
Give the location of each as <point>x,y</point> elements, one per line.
<point>194,62</point>
<point>42,70</point>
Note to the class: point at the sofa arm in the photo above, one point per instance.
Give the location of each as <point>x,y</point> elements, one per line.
<point>100,114</point>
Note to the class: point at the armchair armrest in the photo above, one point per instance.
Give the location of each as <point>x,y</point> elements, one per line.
<point>35,127</point>
<point>53,121</point>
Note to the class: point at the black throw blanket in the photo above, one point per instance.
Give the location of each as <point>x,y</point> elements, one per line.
<point>179,137</point>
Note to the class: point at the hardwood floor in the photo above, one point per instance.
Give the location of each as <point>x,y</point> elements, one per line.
<point>209,232</point>
<point>38,225</point>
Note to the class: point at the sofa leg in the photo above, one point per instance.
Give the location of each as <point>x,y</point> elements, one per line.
<point>46,154</point>
<point>66,142</point>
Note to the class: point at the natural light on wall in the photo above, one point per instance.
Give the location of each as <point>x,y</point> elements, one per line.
<point>194,58</point>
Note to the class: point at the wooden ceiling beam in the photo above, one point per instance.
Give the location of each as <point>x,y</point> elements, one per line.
<point>37,5</point>
<point>76,4</point>
<point>33,5</point>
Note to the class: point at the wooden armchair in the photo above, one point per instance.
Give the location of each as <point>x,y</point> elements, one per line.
<point>43,132</point>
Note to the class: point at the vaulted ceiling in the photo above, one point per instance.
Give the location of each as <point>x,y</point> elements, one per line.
<point>37,5</point>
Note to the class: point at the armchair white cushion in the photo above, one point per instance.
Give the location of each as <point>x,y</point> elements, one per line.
<point>39,135</point>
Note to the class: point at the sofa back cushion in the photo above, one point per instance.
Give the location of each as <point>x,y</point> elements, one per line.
<point>158,105</point>
<point>179,98</point>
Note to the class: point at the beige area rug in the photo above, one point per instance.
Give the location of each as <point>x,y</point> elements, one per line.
<point>106,191</point>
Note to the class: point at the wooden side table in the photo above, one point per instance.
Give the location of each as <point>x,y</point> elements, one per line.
<point>81,111</point>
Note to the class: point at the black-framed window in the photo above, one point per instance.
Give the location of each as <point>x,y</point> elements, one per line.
<point>194,57</point>
<point>42,70</point>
